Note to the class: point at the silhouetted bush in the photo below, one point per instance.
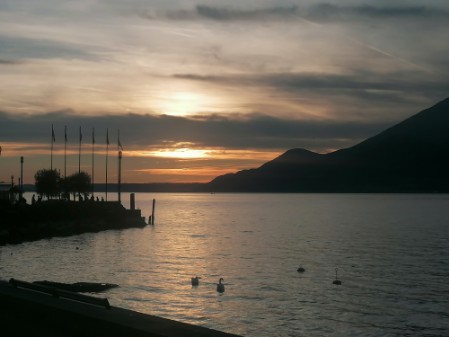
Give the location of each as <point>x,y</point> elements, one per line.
<point>77,184</point>
<point>47,183</point>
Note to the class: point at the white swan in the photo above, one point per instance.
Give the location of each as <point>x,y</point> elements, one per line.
<point>220,286</point>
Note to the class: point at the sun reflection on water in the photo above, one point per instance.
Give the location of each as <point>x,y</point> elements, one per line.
<point>255,242</point>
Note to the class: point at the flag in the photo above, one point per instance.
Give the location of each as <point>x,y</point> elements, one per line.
<point>93,136</point>
<point>53,139</point>
<point>81,135</point>
<point>65,133</point>
<point>107,136</point>
<point>118,141</point>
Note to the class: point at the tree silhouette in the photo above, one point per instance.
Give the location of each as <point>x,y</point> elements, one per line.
<point>77,184</point>
<point>47,183</point>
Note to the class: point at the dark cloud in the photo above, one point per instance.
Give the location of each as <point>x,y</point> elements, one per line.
<point>15,49</point>
<point>10,62</point>
<point>238,132</point>
<point>226,14</point>
<point>331,12</point>
<point>408,82</point>
<point>319,12</point>
<point>363,84</point>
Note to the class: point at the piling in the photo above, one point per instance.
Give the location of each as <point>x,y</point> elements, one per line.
<point>152,212</point>
<point>132,201</point>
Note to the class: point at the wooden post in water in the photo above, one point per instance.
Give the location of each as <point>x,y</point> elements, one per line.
<point>152,213</point>
<point>132,202</point>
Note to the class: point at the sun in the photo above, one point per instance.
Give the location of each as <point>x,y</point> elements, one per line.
<point>184,103</point>
<point>182,153</point>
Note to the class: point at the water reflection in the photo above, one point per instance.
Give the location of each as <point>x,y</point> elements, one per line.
<point>392,253</point>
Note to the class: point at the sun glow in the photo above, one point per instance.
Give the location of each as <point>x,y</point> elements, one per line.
<point>184,103</point>
<point>182,153</point>
<point>184,175</point>
<point>210,153</point>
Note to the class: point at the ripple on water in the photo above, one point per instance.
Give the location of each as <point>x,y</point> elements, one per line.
<point>391,251</point>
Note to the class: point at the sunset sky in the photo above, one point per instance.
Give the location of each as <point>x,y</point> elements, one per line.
<point>203,88</point>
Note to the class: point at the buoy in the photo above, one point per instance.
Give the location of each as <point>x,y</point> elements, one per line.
<point>301,269</point>
<point>152,211</point>
<point>220,286</point>
<point>336,281</point>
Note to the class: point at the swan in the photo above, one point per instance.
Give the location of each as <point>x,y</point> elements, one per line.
<point>195,281</point>
<point>336,281</point>
<point>301,269</point>
<point>220,286</point>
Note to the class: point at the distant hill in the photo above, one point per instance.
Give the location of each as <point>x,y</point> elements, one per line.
<point>412,156</point>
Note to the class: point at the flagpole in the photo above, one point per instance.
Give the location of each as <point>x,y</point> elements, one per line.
<point>107,150</point>
<point>51,151</point>
<point>21,176</point>
<point>79,153</point>
<point>65,151</point>
<point>93,160</point>
<point>120,176</point>
<point>119,146</point>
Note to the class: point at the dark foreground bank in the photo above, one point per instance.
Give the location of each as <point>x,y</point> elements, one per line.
<point>44,312</point>
<point>23,222</point>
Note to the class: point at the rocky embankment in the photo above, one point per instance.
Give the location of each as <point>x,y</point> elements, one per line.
<point>23,222</point>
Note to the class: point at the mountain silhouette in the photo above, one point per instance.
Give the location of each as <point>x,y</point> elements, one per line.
<point>412,156</point>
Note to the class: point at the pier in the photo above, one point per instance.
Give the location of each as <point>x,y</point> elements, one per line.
<point>23,222</point>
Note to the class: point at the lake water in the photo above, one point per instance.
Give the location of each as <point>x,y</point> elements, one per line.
<point>392,254</point>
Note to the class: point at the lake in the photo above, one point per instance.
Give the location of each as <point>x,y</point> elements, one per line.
<point>391,251</point>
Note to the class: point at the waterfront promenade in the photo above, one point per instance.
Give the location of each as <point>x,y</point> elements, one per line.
<point>29,310</point>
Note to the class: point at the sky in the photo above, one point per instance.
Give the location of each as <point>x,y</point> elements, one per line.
<point>202,88</point>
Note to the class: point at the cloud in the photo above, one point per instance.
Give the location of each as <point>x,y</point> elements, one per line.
<point>320,12</point>
<point>271,62</point>
<point>331,12</point>
<point>376,86</point>
<point>357,81</point>
<point>226,14</point>
<point>213,131</point>
<point>10,62</point>
<point>18,48</point>
<point>223,13</point>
